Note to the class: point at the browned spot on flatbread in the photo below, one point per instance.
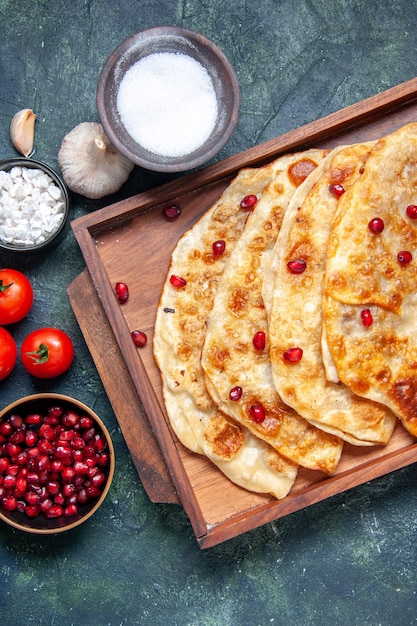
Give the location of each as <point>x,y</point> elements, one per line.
<point>225,436</point>
<point>298,172</point>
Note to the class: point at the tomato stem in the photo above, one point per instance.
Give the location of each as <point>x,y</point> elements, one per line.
<point>40,355</point>
<point>4,287</point>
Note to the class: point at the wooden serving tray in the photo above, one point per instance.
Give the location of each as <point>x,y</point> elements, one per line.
<point>131,241</point>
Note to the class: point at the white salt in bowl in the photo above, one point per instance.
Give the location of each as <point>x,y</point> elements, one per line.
<point>168,99</point>
<point>34,206</point>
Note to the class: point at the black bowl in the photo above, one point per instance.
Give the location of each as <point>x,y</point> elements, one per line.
<point>53,238</point>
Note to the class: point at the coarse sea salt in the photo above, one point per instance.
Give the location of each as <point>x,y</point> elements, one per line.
<point>167,103</point>
<point>32,206</point>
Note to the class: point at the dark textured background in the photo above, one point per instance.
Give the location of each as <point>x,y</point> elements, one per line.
<point>348,561</point>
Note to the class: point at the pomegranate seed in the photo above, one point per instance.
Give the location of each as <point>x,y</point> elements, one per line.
<point>59,499</point>
<point>235,394</point>
<point>337,190</point>
<point>9,481</point>
<point>54,511</point>
<point>32,497</point>
<point>18,436</point>
<point>89,434</point>
<point>376,225</point>
<point>67,474</point>
<point>47,432</point>
<point>122,292</point>
<point>66,436</point>
<point>34,419</point>
<point>99,443</point>
<point>70,510</point>
<point>404,257</point>
<point>367,319</point>
<point>248,202</point>
<point>92,491</point>
<point>44,463</point>
<point>78,443</point>
<point>293,355</point>
<point>70,419</point>
<point>68,490</point>
<point>12,449</point>
<point>53,487</point>
<point>257,413</point>
<point>57,466</point>
<point>171,212</point>
<point>78,456</point>
<point>218,247</point>
<point>32,510</point>
<point>6,429</point>
<point>82,496</point>
<point>411,211</point>
<point>89,451</point>
<point>46,446</point>
<point>98,479</point>
<point>52,420</point>
<point>21,458</point>
<point>259,340</point>
<point>55,411</point>
<point>80,468</point>
<point>139,338</point>
<point>177,281</point>
<point>21,486</point>
<point>102,459</point>
<point>86,421</point>
<point>46,504</point>
<point>297,266</point>
<point>4,464</point>
<point>9,503</point>
<point>13,469</point>
<point>31,438</point>
<point>16,421</point>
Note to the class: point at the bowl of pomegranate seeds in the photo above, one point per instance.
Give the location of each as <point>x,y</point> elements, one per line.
<point>56,463</point>
<point>168,99</point>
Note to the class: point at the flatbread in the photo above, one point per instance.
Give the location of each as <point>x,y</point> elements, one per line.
<point>363,273</point>
<point>229,358</point>
<point>179,335</point>
<point>296,313</point>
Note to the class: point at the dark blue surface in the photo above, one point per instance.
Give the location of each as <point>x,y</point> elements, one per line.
<point>350,560</point>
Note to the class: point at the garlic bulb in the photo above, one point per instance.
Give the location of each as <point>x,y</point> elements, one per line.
<point>90,165</point>
<point>22,131</point>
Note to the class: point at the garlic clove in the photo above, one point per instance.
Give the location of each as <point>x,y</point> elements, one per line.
<point>89,163</point>
<point>22,131</point>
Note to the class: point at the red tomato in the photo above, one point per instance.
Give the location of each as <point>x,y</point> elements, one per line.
<point>47,352</point>
<point>8,353</point>
<point>16,296</point>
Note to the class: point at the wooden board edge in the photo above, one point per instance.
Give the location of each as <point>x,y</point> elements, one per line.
<point>313,494</point>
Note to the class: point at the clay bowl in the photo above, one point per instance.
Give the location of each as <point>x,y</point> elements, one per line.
<point>168,39</point>
<point>37,482</point>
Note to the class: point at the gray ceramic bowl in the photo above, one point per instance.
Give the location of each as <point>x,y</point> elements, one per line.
<point>168,40</point>
<point>25,409</point>
<point>50,238</point>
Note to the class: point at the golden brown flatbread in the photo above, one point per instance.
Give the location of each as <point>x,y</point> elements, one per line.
<point>296,314</point>
<point>179,335</point>
<point>370,297</point>
<point>230,359</point>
